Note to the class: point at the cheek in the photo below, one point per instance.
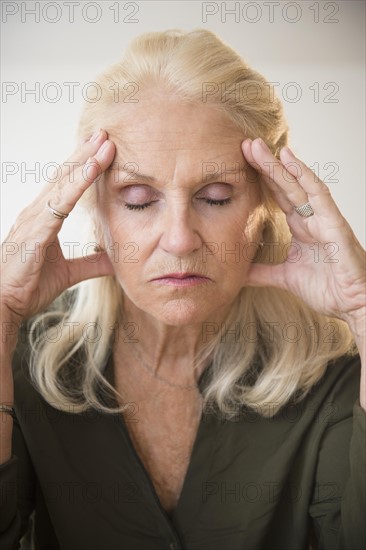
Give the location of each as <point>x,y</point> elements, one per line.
<point>236,247</point>
<point>233,228</point>
<point>125,244</point>
<point>122,227</point>
<point>130,245</point>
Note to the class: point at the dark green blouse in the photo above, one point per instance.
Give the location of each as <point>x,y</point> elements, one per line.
<point>75,481</point>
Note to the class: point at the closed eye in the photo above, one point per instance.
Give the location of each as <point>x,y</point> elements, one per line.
<point>211,202</point>
<point>138,206</point>
<point>217,202</point>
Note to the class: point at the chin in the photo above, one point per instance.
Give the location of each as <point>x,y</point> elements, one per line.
<point>181,312</point>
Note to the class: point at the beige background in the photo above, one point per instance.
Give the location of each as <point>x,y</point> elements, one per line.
<point>319,46</point>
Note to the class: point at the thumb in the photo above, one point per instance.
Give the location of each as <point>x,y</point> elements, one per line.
<point>89,267</point>
<point>266,275</point>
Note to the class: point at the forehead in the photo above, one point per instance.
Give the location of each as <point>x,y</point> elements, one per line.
<point>167,126</point>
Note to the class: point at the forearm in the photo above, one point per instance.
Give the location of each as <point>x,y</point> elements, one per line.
<point>7,347</point>
<point>7,398</point>
<point>363,387</point>
<point>358,328</point>
<point>361,345</point>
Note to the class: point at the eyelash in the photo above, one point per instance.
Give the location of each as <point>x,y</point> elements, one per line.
<point>211,202</point>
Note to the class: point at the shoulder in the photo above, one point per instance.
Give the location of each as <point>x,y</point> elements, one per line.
<point>341,380</point>
<point>335,397</point>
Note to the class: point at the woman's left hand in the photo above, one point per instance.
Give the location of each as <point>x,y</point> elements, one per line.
<point>326,263</point>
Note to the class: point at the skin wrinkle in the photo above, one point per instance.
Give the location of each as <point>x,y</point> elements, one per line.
<point>170,233</point>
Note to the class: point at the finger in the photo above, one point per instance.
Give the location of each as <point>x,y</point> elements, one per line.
<point>316,190</point>
<point>266,275</point>
<point>281,177</point>
<point>84,151</point>
<point>37,220</point>
<point>95,265</point>
<point>65,197</point>
<point>278,194</point>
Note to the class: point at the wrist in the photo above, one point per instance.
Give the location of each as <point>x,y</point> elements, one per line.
<point>357,322</point>
<point>9,330</point>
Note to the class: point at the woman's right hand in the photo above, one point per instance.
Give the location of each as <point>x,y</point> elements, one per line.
<point>30,282</point>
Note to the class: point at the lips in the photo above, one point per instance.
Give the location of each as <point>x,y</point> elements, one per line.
<point>180,276</point>
<point>181,281</point>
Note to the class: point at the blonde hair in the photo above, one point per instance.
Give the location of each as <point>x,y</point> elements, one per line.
<point>291,345</point>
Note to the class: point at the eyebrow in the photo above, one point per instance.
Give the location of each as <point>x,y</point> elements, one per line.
<point>208,178</point>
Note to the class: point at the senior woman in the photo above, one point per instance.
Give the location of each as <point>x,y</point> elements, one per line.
<point>216,403</point>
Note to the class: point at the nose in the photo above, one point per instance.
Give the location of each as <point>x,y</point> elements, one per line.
<point>180,236</point>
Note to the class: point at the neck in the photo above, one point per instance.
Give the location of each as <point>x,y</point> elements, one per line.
<point>151,349</point>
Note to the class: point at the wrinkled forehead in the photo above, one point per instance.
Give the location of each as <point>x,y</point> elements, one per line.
<point>177,160</point>
<point>176,145</point>
<point>171,125</point>
<point>170,139</point>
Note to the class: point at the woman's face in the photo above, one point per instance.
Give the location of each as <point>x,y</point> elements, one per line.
<point>179,198</point>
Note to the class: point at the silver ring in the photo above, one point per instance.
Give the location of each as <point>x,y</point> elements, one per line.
<point>56,213</point>
<point>305,210</point>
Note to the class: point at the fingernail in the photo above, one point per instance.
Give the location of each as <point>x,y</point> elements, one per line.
<point>95,135</point>
<point>288,151</point>
<point>102,149</point>
<point>262,144</point>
